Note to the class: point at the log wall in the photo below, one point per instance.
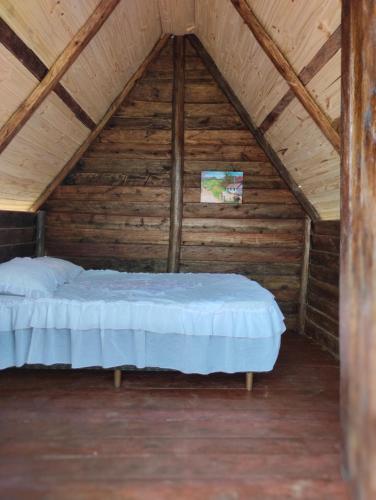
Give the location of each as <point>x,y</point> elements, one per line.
<point>322,310</point>
<point>17,235</point>
<point>113,210</point>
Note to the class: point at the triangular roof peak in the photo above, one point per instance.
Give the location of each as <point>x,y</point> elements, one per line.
<point>70,64</point>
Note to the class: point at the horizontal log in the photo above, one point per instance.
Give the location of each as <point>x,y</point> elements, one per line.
<point>205,110</point>
<point>17,235</point>
<point>157,90</point>
<point>16,219</point>
<point>192,195</point>
<point>8,252</point>
<point>124,166</point>
<point>109,207</point>
<point>324,259</point>
<point>243,211</point>
<point>125,251</point>
<point>125,194</point>
<point>54,235</point>
<point>252,255</point>
<point>154,123</point>
<point>223,152</point>
<point>327,291</point>
<point>161,90</point>
<point>330,308</point>
<point>322,320</point>
<point>325,274</point>
<point>327,227</point>
<point>325,243</point>
<point>108,179</point>
<point>247,167</point>
<point>203,92</point>
<point>231,239</point>
<point>119,135</point>
<point>214,123</point>
<point>120,264</point>
<point>217,137</point>
<point>249,182</point>
<point>144,109</point>
<point>130,150</point>
<point>238,226</point>
<point>109,221</point>
<point>282,287</point>
<point>246,268</point>
<point>325,339</point>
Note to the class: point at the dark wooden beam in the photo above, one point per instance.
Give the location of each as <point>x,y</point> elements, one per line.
<point>31,61</point>
<point>94,134</point>
<point>40,236</point>
<point>176,206</point>
<point>57,70</point>
<point>287,71</point>
<point>304,276</point>
<point>263,143</point>
<point>324,54</point>
<point>358,245</point>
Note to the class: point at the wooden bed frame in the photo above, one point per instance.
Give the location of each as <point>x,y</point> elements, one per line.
<point>40,252</point>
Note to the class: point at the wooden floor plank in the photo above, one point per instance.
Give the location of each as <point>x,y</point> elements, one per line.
<point>166,435</point>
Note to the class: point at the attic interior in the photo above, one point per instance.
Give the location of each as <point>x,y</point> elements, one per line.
<point>110,112</point>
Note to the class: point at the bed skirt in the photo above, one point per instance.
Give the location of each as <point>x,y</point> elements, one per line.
<point>112,348</point>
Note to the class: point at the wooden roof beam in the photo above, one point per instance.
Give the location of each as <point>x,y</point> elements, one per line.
<point>94,134</point>
<point>286,70</point>
<point>36,66</point>
<point>57,70</point>
<point>263,143</point>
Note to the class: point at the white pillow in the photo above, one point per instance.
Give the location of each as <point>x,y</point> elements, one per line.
<point>26,276</point>
<point>63,270</point>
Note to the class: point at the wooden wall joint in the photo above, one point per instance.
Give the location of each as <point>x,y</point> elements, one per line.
<point>263,143</point>
<point>176,206</point>
<point>286,70</point>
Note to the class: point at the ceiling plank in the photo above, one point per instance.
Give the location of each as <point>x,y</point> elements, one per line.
<point>287,71</point>
<point>35,65</point>
<point>57,70</point>
<point>263,143</point>
<point>323,55</point>
<point>94,134</point>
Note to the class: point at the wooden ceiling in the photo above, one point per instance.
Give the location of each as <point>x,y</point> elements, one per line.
<point>64,63</point>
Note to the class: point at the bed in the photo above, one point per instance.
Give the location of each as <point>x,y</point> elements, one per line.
<point>194,323</point>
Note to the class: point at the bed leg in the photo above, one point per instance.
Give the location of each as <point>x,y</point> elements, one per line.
<point>249,381</point>
<point>117,378</point>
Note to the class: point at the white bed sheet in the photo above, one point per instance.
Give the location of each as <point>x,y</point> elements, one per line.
<point>195,323</point>
<point>225,305</point>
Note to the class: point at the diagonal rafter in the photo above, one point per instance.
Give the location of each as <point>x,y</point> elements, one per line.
<point>263,143</point>
<point>57,70</point>
<point>286,70</point>
<point>94,134</point>
<point>36,66</point>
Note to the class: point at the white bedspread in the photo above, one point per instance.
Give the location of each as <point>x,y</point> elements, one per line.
<point>223,305</point>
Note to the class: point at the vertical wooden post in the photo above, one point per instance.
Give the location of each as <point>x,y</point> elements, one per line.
<point>176,209</point>
<point>304,275</point>
<point>358,245</point>
<point>40,237</point>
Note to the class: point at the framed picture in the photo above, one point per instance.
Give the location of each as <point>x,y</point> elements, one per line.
<point>221,187</point>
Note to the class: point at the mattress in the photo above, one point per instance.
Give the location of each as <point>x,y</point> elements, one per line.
<point>195,323</point>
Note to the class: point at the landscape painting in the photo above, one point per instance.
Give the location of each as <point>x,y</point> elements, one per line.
<point>221,187</point>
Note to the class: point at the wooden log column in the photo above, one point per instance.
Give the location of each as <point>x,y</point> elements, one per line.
<point>176,207</point>
<point>358,245</point>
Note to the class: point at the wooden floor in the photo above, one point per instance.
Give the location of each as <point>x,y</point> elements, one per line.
<point>71,435</point>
